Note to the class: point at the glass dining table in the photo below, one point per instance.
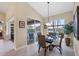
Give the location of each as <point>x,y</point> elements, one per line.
<point>50,40</point>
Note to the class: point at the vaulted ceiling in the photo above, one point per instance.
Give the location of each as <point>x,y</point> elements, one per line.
<point>54,7</point>
<point>42,7</point>
<point>4,6</point>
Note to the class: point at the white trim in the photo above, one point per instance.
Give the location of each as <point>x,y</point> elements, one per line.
<point>10,19</point>
<point>74,51</point>
<point>75,46</point>
<point>16,49</point>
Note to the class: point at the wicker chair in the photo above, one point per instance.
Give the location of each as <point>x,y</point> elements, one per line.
<point>58,43</point>
<point>42,43</point>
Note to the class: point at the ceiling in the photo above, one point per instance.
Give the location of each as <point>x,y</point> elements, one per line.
<point>42,7</point>
<point>54,7</point>
<point>4,6</point>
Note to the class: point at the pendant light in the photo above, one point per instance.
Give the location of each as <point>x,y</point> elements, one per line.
<point>48,11</point>
<point>45,26</point>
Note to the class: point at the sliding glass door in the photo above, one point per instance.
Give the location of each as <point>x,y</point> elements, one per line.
<point>33,29</point>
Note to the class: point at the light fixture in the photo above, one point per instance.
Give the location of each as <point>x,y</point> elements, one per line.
<point>48,11</point>
<point>45,26</point>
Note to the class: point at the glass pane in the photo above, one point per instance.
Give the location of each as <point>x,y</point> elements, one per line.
<point>33,29</point>
<point>57,26</point>
<point>37,30</point>
<point>61,22</point>
<point>55,22</point>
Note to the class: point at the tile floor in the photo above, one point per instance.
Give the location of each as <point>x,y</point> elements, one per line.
<point>6,49</point>
<point>5,46</point>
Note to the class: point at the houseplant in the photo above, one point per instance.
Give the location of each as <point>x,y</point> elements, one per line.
<point>68,29</point>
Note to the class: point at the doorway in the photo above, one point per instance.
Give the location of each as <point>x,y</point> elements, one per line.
<point>6,28</point>
<point>33,29</point>
<point>1,29</point>
<point>10,29</point>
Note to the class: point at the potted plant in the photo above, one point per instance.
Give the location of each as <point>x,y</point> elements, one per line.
<point>68,29</point>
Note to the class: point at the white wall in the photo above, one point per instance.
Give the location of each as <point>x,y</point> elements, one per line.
<point>23,11</point>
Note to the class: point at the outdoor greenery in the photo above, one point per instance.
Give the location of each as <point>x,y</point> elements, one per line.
<point>68,29</point>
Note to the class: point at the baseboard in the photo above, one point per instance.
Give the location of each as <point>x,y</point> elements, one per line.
<point>16,49</point>
<point>75,44</point>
